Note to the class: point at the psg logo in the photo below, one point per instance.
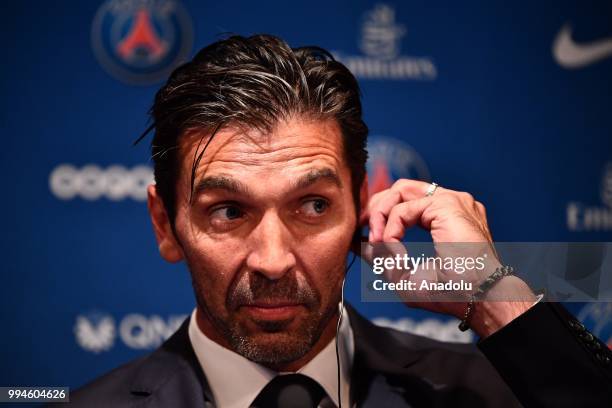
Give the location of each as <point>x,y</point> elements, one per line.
<point>391,159</point>
<point>141,41</point>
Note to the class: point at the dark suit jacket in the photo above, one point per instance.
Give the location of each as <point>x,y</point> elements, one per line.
<point>544,358</point>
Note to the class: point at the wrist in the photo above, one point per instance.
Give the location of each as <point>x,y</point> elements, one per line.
<point>494,311</point>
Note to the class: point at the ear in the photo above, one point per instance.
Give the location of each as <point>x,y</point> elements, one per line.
<point>362,217</point>
<point>169,247</point>
<point>364,197</point>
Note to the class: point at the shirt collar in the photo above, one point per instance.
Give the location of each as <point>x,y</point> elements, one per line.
<point>236,381</point>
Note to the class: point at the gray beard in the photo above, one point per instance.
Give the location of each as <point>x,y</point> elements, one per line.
<point>287,347</point>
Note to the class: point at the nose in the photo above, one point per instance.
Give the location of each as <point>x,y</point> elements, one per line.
<point>271,253</point>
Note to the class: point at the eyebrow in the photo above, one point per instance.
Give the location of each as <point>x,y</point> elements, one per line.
<point>316,175</point>
<point>232,185</point>
<point>220,183</point>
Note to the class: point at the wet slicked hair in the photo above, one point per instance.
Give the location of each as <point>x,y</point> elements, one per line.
<point>252,83</point>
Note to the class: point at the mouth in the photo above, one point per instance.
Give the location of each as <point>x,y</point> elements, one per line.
<point>276,310</point>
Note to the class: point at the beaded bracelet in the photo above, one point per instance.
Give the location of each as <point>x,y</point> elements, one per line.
<point>482,289</point>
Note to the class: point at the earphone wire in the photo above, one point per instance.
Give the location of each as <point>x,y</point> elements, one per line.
<point>341,314</point>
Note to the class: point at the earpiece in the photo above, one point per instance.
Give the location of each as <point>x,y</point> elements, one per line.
<point>355,248</point>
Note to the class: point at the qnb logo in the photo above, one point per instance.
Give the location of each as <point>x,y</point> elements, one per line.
<point>141,332</point>
<point>380,43</point>
<point>432,328</point>
<point>391,159</point>
<point>141,41</point>
<point>91,182</point>
<point>97,332</point>
<point>581,217</point>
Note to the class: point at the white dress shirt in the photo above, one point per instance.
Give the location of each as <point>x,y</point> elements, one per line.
<point>236,381</point>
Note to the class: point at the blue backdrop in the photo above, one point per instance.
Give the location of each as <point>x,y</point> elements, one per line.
<point>510,103</point>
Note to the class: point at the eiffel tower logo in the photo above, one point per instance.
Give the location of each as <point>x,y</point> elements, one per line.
<point>142,40</point>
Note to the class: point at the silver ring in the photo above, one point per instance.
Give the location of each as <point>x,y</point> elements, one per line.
<point>431,190</point>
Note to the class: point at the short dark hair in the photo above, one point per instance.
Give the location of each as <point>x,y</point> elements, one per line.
<point>253,82</point>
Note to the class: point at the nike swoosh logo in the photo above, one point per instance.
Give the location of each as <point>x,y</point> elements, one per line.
<point>570,54</point>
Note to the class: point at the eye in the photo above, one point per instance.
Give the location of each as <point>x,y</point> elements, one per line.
<point>227,213</point>
<point>314,207</point>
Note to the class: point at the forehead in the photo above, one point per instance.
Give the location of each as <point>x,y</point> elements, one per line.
<point>292,146</point>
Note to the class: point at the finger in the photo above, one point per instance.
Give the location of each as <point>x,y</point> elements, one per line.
<point>413,189</point>
<point>371,203</point>
<point>392,250</point>
<point>364,218</point>
<point>379,211</point>
<point>367,253</point>
<point>482,211</point>
<point>403,216</point>
<point>402,190</point>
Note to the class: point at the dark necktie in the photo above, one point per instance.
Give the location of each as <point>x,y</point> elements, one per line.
<point>290,391</point>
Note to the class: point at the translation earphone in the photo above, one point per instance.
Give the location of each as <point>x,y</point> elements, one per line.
<point>355,245</point>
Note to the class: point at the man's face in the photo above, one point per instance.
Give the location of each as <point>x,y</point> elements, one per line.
<point>266,235</point>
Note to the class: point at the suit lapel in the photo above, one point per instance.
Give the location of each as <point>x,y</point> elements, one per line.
<point>381,374</point>
<point>172,375</point>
